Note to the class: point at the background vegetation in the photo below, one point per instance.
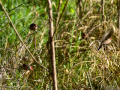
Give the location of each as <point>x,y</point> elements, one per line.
<point>79,65</point>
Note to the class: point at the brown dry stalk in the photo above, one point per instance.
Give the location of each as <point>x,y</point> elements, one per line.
<point>52,48</point>
<point>21,38</point>
<point>58,21</point>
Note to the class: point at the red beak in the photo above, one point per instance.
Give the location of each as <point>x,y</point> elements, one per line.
<point>27,67</point>
<point>33,27</point>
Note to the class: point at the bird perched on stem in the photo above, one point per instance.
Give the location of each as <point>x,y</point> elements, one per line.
<point>27,67</point>
<point>33,27</point>
<point>106,38</point>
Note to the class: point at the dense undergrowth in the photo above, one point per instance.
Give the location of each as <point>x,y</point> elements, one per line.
<point>79,65</point>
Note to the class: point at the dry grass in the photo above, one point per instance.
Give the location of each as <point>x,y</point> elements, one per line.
<point>79,64</point>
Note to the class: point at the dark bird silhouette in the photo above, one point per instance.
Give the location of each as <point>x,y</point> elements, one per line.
<point>27,67</point>
<point>33,27</point>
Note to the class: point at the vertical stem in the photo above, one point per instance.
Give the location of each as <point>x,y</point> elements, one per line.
<point>58,13</point>
<point>118,24</point>
<point>119,15</point>
<point>79,8</point>
<point>52,46</point>
<point>57,25</point>
<point>118,20</point>
<point>102,10</point>
<point>103,15</point>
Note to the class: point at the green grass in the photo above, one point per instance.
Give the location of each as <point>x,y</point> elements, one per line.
<point>79,64</point>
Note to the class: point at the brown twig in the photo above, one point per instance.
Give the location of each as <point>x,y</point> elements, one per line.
<point>57,25</point>
<point>52,48</point>
<point>79,8</point>
<point>21,38</point>
<point>58,13</point>
<point>118,6</point>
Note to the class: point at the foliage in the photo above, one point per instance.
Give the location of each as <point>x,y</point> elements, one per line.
<point>79,64</point>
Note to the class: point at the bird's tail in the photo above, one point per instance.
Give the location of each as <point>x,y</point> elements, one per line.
<point>100,46</point>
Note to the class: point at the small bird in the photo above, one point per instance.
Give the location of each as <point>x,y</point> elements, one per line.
<point>33,27</point>
<point>105,43</point>
<point>106,38</point>
<point>27,67</point>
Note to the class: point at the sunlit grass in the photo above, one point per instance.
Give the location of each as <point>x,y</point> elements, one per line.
<point>79,64</point>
